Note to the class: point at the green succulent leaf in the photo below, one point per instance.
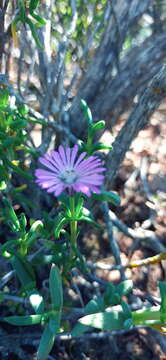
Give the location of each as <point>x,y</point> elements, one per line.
<point>108,196</point>
<point>79,329</point>
<point>90,221</point>
<point>46,343</point>
<point>98,125</point>
<point>11,215</point>
<point>110,296</point>
<point>55,285</point>
<point>124,287</point>
<point>87,112</point>
<point>23,222</point>
<point>23,109</point>
<point>128,324</point>
<point>39,19</point>
<point>100,146</point>
<point>94,306</point>
<point>113,320</point>
<point>79,207</point>
<point>37,226</point>
<point>7,249</point>
<point>3,185</point>
<point>34,33</point>
<point>162,287</point>
<point>24,271</point>
<point>33,4</point>
<point>126,310</point>
<point>4,97</point>
<point>60,221</point>
<point>24,320</point>
<point>54,322</point>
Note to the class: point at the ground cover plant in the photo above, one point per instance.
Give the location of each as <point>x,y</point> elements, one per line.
<point>82,240</point>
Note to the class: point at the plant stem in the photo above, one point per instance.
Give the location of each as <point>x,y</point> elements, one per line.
<point>88,144</point>
<point>73,227</point>
<point>145,316</point>
<point>23,246</point>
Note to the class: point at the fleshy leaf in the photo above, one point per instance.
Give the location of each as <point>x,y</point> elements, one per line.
<point>108,196</point>
<point>55,285</point>
<point>90,221</point>
<point>98,125</point>
<point>105,320</point>
<point>33,4</point>
<point>54,322</point>
<point>36,226</point>
<point>94,306</point>
<point>100,146</point>
<point>24,272</point>
<point>24,320</point>
<point>23,221</point>
<point>124,287</point>
<point>79,329</point>
<point>46,343</point>
<point>60,221</point>
<point>126,310</point>
<point>4,97</point>
<point>162,287</point>
<point>12,217</point>
<point>87,112</point>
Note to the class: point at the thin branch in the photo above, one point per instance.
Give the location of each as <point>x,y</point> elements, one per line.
<point>7,277</point>
<point>74,18</point>
<point>140,235</point>
<point>150,203</point>
<point>53,125</point>
<point>143,175</point>
<point>74,273</point>
<point>6,5</point>
<point>133,264</point>
<point>139,118</point>
<point>87,47</point>
<point>113,243</point>
<point>17,299</point>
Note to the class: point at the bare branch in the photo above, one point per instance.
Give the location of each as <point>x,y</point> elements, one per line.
<point>113,243</point>
<point>99,72</point>
<point>139,118</point>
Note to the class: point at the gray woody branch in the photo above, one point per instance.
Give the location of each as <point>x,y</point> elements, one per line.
<point>125,14</point>
<point>138,119</point>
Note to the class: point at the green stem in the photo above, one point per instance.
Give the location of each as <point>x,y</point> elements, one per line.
<point>145,316</point>
<point>73,227</point>
<point>89,143</point>
<point>23,245</point>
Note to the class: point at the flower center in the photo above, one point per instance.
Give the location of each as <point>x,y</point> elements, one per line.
<point>69,176</point>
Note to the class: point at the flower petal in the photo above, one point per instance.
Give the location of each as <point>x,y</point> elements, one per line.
<point>88,163</point>
<point>44,173</point>
<point>78,187</point>
<point>48,164</point>
<point>67,171</point>
<point>47,184</point>
<point>59,190</point>
<point>73,155</point>
<point>62,154</point>
<point>56,157</point>
<point>81,156</point>
<point>68,154</point>
<point>54,188</point>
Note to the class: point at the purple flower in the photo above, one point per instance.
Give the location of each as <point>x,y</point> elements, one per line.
<point>67,171</point>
